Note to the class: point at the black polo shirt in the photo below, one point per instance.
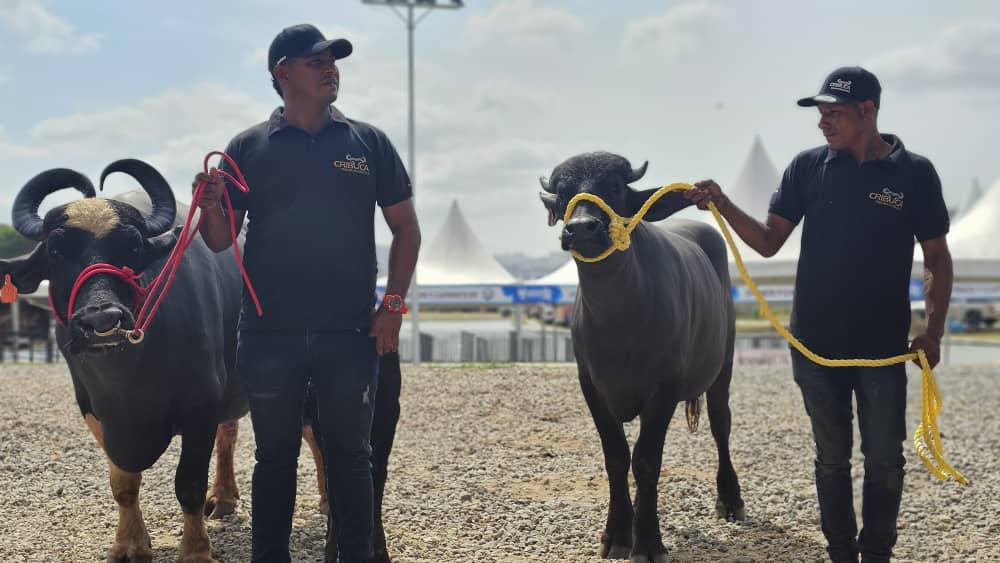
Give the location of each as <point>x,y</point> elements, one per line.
<point>852,286</point>
<point>310,247</point>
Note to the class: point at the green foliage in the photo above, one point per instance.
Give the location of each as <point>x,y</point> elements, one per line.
<point>12,243</point>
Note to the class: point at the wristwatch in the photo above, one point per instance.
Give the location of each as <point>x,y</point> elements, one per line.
<point>394,303</point>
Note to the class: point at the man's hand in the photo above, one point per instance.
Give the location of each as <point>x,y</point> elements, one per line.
<point>931,347</point>
<point>214,186</point>
<point>705,192</point>
<point>385,330</point>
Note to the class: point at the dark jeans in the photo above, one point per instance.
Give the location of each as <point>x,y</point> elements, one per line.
<point>881,398</point>
<point>276,368</point>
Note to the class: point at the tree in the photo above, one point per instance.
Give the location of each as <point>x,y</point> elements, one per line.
<point>12,243</point>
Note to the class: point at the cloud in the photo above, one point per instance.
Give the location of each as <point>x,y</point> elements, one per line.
<point>521,24</point>
<point>45,32</point>
<point>963,56</point>
<point>5,72</point>
<point>10,151</point>
<point>172,131</point>
<point>680,30</point>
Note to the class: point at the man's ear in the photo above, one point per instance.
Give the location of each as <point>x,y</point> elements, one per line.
<point>670,203</point>
<point>158,247</point>
<point>28,271</point>
<point>551,202</point>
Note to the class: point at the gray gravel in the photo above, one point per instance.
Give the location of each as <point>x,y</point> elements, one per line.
<point>503,464</point>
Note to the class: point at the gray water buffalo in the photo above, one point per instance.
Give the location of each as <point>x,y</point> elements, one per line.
<point>652,326</point>
<point>179,380</point>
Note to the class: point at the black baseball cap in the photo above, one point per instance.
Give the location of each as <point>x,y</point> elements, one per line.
<point>846,84</point>
<point>303,40</point>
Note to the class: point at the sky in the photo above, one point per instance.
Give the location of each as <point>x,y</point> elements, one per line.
<point>505,89</point>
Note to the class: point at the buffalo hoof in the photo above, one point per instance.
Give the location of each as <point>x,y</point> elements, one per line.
<point>324,506</point>
<point>197,558</point>
<point>735,512</point>
<point>614,551</point>
<point>216,508</point>
<point>641,558</point>
<point>134,554</point>
<point>381,556</point>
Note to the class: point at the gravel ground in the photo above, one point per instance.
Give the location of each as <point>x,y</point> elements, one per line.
<point>504,464</point>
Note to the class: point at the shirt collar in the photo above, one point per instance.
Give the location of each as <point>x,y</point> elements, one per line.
<point>896,153</point>
<point>277,121</point>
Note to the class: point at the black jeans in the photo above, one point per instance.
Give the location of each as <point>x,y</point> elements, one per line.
<point>881,398</point>
<point>276,368</point>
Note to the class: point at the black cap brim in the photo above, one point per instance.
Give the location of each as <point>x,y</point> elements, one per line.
<point>822,99</point>
<point>339,48</point>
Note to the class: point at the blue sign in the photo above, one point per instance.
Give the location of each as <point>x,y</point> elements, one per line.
<point>520,294</point>
<point>917,289</point>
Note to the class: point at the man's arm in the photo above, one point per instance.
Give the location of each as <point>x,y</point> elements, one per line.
<point>214,227</point>
<point>938,277</point>
<point>766,238</point>
<point>402,220</point>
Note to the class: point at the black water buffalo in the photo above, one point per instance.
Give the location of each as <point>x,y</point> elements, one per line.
<point>179,379</point>
<point>652,326</point>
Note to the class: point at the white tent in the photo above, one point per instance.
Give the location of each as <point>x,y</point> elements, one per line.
<point>975,194</point>
<point>563,276</point>
<point>752,191</point>
<point>457,257</point>
<point>975,235</point>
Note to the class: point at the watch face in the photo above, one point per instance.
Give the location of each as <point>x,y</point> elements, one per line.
<point>394,302</point>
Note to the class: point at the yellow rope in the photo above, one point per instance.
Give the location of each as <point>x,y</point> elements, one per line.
<point>926,438</point>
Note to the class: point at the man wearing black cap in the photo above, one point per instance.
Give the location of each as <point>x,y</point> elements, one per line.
<point>315,177</point>
<point>863,199</point>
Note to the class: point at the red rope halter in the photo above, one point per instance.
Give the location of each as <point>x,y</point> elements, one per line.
<point>162,282</point>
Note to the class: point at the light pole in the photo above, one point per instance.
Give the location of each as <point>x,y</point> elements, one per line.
<point>411,25</point>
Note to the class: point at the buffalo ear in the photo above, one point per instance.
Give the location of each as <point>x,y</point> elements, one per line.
<point>28,271</point>
<point>551,202</point>
<point>670,203</point>
<point>158,247</point>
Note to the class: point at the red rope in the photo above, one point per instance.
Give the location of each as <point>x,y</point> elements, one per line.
<point>162,282</point>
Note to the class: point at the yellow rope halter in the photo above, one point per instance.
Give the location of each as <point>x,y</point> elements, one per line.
<point>926,438</point>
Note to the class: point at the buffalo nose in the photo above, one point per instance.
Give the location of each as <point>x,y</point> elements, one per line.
<point>100,319</point>
<point>581,226</point>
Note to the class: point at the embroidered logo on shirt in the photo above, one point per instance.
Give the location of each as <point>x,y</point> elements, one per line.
<point>841,85</point>
<point>355,164</point>
<point>889,198</point>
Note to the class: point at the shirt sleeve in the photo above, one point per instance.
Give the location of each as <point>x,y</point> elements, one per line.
<point>240,199</point>
<point>392,183</point>
<point>787,199</point>
<point>929,214</point>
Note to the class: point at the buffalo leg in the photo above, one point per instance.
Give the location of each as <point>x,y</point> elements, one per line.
<point>190,486</point>
<point>383,435</point>
<point>647,457</point>
<point>222,497</point>
<point>729,504</point>
<point>131,539</point>
<point>310,435</point>
<point>616,541</point>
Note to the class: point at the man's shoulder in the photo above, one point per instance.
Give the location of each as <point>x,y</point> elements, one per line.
<point>919,162</point>
<point>811,156</point>
<point>366,130</point>
<point>252,133</point>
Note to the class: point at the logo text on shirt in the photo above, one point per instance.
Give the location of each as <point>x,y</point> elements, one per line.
<point>355,164</point>
<point>888,197</point>
<point>841,85</point>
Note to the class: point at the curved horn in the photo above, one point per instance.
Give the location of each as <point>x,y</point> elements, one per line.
<point>638,173</point>
<point>161,218</point>
<point>24,213</point>
<point>545,184</point>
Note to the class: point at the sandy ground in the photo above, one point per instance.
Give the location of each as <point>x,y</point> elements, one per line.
<point>503,464</point>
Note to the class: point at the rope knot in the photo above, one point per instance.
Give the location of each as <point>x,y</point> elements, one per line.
<point>619,233</point>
